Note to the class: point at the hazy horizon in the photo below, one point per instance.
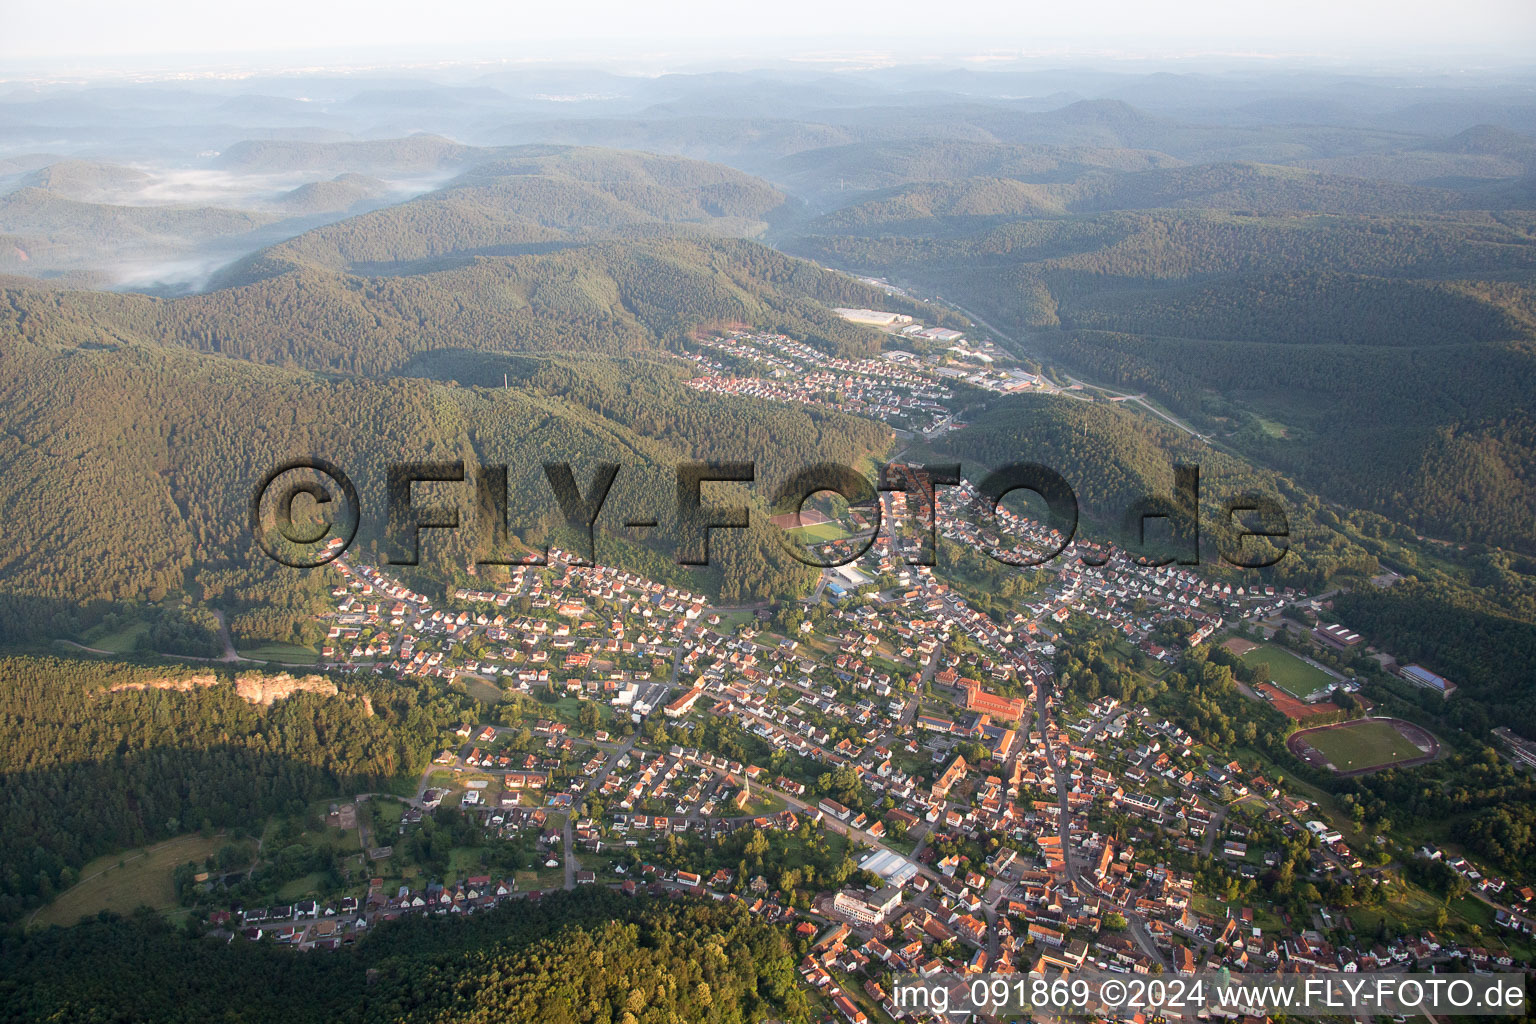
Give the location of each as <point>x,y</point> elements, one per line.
<point>91,39</point>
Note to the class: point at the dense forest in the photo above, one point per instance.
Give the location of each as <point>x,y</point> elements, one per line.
<point>1113,459</point>
<point>85,374</point>
<point>607,297</point>
<point>1477,647</point>
<point>1380,357</point>
<point>588,957</point>
<point>95,758</point>
<point>539,195</point>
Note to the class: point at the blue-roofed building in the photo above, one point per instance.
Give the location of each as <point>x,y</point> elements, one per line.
<point>1421,676</point>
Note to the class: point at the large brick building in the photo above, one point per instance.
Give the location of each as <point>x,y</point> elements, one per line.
<point>1009,709</point>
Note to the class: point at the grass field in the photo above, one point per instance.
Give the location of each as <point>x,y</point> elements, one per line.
<point>1362,745</point>
<point>483,690</point>
<point>143,880</point>
<point>1279,431</point>
<point>818,534</point>
<point>304,886</point>
<point>1287,671</point>
<point>121,640</point>
<point>543,878</point>
<point>730,620</point>
<point>763,802</point>
<point>386,815</point>
<point>464,860</point>
<point>343,840</point>
<point>290,654</point>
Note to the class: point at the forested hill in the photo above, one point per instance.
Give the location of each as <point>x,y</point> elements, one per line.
<point>570,958</point>
<point>963,204</point>
<point>1113,458</point>
<point>153,228</point>
<point>1385,362</point>
<point>416,154</point>
<point>604,297</point>
<point>131,463</point>
<point>96,757</point>
<point>364,368</point>
<point>536,197</point>
<point>836,174</point>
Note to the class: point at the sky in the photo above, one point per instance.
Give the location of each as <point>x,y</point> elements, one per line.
<point>40,33</point>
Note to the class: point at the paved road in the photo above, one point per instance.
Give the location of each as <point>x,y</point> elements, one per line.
<point>1134,921</point>
<point>1063,784</point>
<point>1213,828</point>
<point>928,670</point>
<point>1138,399</point>
<point>571,864</point>
<point>420,798</point>
<point>595,784</point>
<point>1141,400</point>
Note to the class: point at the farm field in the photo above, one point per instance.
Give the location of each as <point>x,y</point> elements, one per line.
<point>143,880</point>
<point>1287,671</point>
<point>543,878</point>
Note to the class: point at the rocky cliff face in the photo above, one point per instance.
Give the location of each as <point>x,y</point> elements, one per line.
<point>251,686</point>
<point>183,683</point>
<point>265,690</point>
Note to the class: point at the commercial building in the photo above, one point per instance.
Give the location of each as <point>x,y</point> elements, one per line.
<point>892,867</point>
<point>1337,637</point>
<point>873,317</point>
<point>684,704</point>
<point>867,909</point>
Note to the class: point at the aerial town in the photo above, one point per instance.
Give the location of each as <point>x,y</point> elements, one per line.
<point>911,393</point>
<point>909,783</point>
<point>623,513</point>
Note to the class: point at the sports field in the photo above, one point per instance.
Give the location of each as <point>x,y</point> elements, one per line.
<point>1366,744</point>
<point>1287,671</point>
<point>1296,710</point>
<point>820,533</point>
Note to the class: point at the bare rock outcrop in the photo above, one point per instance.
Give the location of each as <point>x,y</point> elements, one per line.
<point>266,690</point>
<point>182,683</point>
<point>253,687</point>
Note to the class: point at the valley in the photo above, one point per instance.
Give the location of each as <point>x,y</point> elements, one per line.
<point>1282,726</point>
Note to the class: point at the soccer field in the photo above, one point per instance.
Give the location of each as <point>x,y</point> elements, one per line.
<point>1362,745</point>
<point>1287,671</point>
<point>819,533</point>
